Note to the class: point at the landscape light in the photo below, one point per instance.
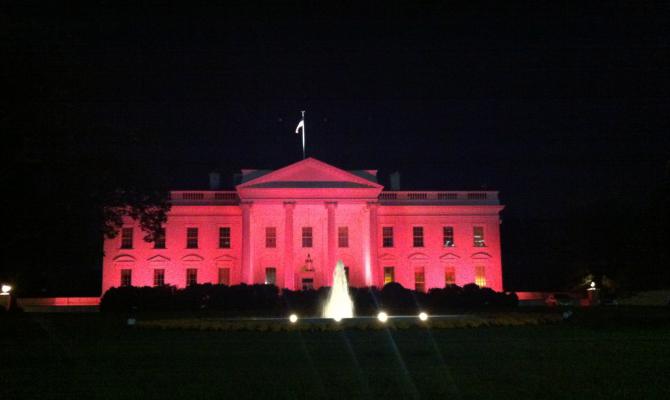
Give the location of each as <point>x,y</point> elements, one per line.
<point>293,318</point>
<point>6,289</point>
<point>382,317</point>
<point>423,316</point>
<point>337,318</point>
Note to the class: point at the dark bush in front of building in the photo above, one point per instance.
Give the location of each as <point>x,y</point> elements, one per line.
<point>267,300</point>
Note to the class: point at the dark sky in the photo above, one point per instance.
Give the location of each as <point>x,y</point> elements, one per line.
<point>555,105</point>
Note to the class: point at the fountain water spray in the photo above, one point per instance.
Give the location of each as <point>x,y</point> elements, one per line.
<point>339,303</point>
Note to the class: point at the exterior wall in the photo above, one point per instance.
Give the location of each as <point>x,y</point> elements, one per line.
<point>314,194</point>
<point>434,257</point>
<point>175,259</point>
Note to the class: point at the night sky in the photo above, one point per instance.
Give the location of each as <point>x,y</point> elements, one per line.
<point>562,108</point>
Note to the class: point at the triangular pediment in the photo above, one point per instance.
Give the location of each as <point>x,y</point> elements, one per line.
<point>449,257</point>
<point>311,173</point>
<point>158,259</point>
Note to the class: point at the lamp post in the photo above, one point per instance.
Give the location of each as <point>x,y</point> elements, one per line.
<point>6,296</point>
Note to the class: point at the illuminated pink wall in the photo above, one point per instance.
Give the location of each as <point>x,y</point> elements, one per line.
<point>313,194</point>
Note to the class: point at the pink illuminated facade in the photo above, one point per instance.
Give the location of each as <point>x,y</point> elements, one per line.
<point>288,227</point>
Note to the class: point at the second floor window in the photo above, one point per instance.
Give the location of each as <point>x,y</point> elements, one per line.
<point>417,236</point>
<point>159,240</point>
<point>343,236</point>
<point>478,236</point>
<point>307,236</point>
<point>192,238</point>
<point>271,237</point>
<point>448,236</point>
<point>224,237</point>
<point>387,236</point>
<point>127,238</point>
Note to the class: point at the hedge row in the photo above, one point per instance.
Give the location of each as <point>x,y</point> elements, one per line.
<point>267,300</point>
<point>470,321</point>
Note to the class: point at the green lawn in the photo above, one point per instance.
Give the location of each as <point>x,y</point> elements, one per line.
<point>95,356</point>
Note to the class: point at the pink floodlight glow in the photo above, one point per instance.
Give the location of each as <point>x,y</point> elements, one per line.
<point>307,203</point>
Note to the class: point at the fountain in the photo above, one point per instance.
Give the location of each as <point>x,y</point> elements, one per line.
<point>339,303</point>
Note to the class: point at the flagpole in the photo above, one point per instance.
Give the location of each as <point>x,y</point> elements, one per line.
<point>303,134</point>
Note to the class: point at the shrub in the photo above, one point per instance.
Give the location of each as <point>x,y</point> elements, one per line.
<point>267,300</point>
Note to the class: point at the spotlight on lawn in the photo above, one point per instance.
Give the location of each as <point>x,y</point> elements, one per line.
<point>337,318</point>
<point>382,317</point>
<point>6,289</point>
<point>293,318</point>
<point>423,316</point>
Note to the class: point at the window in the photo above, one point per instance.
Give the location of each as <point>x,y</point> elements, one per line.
<point>191,277</point>
<point>417,236</point>
<point>159,277</point>
<point>307,283</point>
<point>387,236</point>
<point>307,236</point>
<point>389,275</point>
<point>127,238</point>
<point>270,276</point>
<point>478,236</point>
<point>480,276</point>
<point>343,236</point>
<point>448,236</point>
<point>224,237</point>
<point>449,276</point>
<point>126,277</point>
<point>159,240</point>
<point>191,238</point>
<point>419,280</point>
<point>346,273</point>
<point>224,276</point>
<point>270,237</point>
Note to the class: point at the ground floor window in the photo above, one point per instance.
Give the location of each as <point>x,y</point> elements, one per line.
<point>271,276</point>
<point>480,276</point>
<point>389,275</point>
<point>307,283</point>
<point>419,280</point>
<point>191,277</point>
<point>224,276</point>
<point>449,276</point>
<point>159,277</point>
<point>346,273</point>
<point>126,277</point>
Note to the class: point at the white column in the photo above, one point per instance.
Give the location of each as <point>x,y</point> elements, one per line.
<point>247,261</point>
<point>372,276</point>
<point>332,243</point>
<point>289,267</point>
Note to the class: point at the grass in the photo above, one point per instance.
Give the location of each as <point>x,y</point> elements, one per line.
<point>94,356</point>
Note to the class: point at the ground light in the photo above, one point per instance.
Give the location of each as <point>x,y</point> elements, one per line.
<point>6,289</point>
<point>382,317</point>
<point>337,318</point>
<point>293,318</point>
<point>423,316</point>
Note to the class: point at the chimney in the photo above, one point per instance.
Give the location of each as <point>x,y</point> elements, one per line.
<point>395,180</point>
<point>214,181</point>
